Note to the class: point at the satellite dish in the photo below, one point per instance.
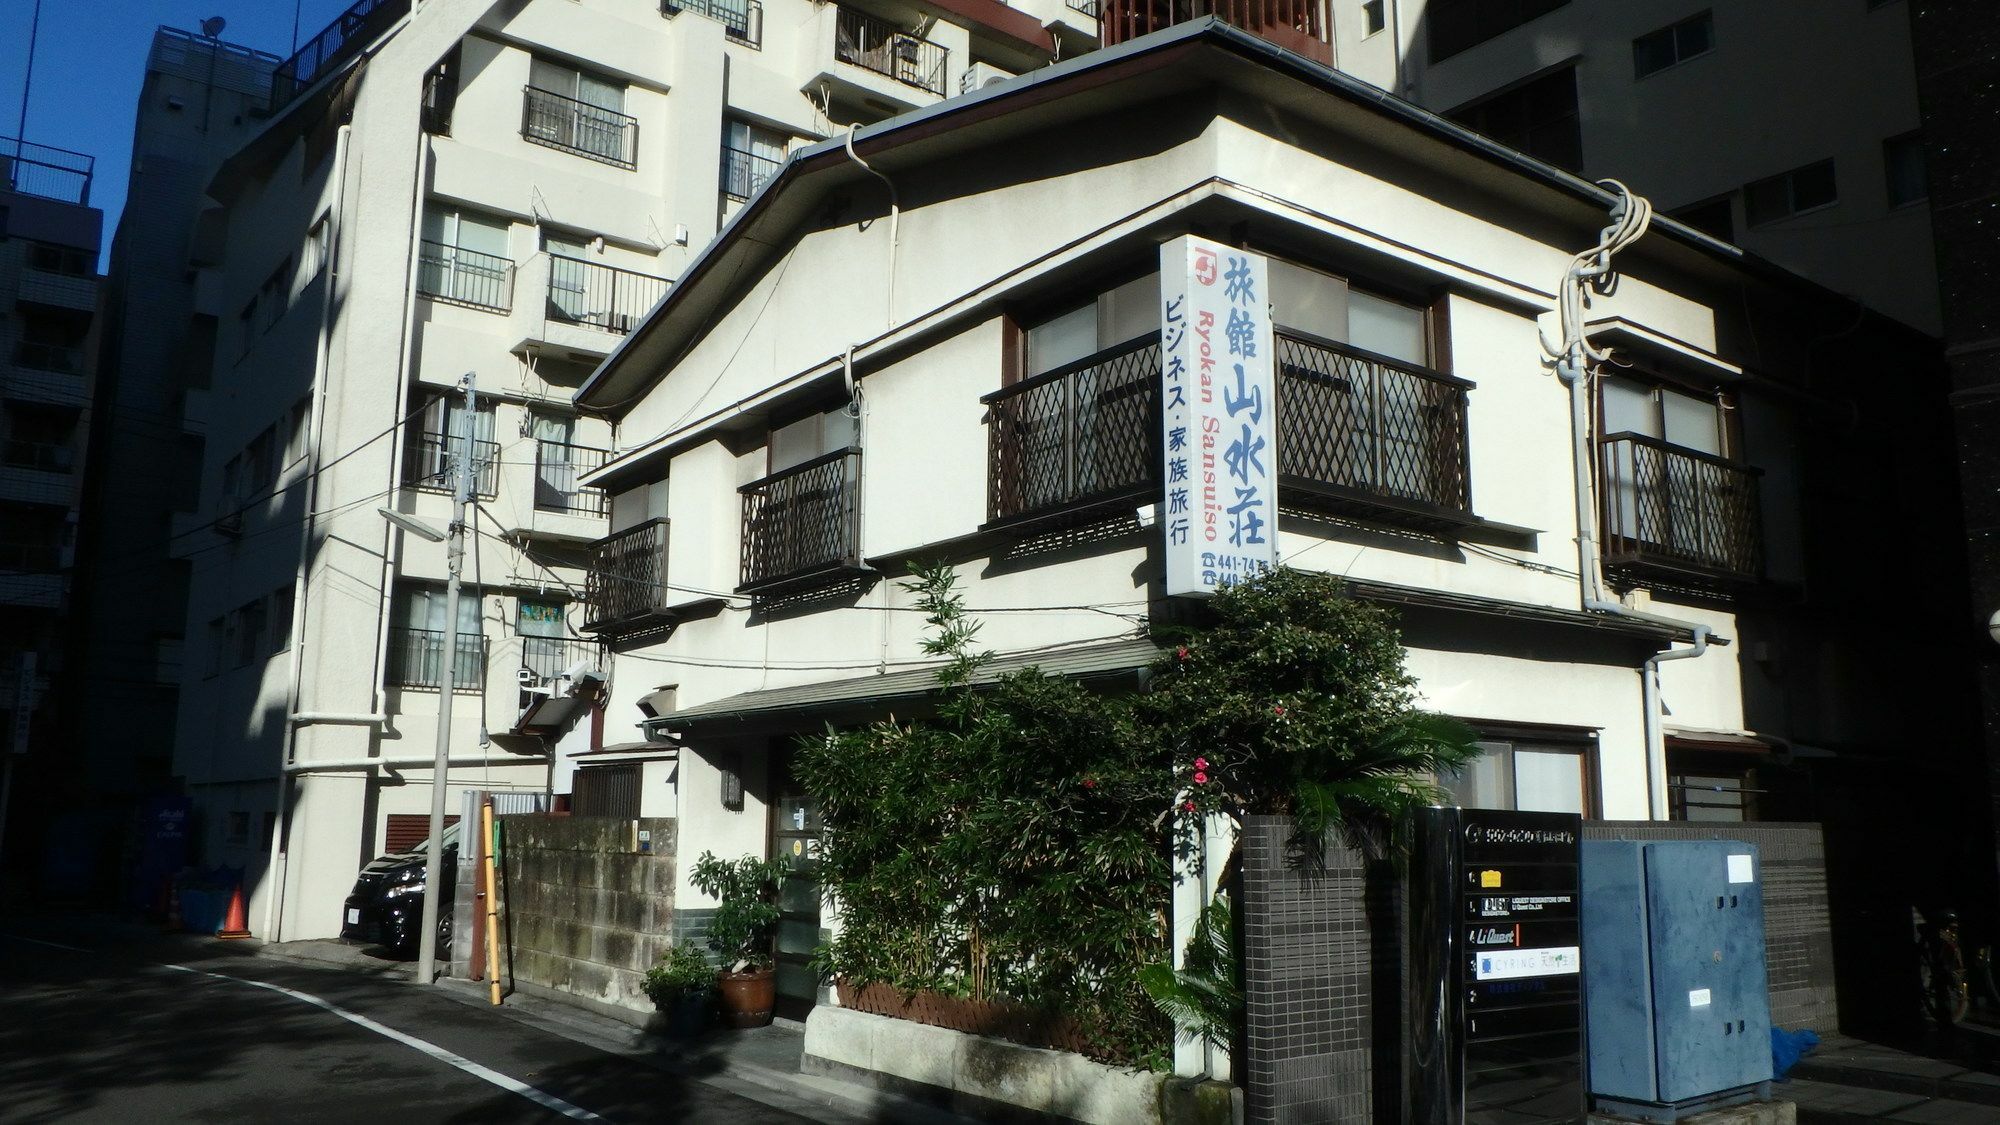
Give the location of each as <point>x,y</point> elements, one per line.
<point>213,25</point>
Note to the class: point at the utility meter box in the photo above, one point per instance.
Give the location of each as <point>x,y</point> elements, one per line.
<point>1677,1006</point>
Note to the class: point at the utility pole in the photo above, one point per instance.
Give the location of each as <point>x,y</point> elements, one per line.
<point>447,684</point>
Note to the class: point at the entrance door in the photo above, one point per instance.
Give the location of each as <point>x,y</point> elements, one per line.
<point>795,840</point>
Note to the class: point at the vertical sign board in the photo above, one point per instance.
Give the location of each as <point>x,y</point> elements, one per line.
<point>1218,413</point>
<point>1495,972</point>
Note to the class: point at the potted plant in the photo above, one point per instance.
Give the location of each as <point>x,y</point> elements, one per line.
<point>746,893</point>
<point>682,987</point>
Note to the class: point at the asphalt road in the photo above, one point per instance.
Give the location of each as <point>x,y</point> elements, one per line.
<point>109,1030</point>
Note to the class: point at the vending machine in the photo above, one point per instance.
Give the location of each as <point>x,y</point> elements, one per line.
<point>1494,972</point>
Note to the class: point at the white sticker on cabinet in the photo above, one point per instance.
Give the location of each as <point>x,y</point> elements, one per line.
<point>1698,998</point>
<point>1740,869</point>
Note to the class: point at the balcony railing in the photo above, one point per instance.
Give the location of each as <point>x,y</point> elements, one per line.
<point>549,118</point>
<point>343,38</point>
<point>1355,428</point>
<point>878,45</point>
<point>1080,436</point>
<point>549,657</point>
<point>742,20</point>
<point>1665,508</point>
<point>600,296</point>
<point>431,463</point>
<point>627,582</point>
<point>744,172</point>
<point>59,358</point>
<point>49,457</point>
<point>1087,7</point>
<point>465,277</point>
<point>52,173</point>
<point>416,660</point>
<point>558,465</point>
<point>803,523</point>
<point>1296,24</point>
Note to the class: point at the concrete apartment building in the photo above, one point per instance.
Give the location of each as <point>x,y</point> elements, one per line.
<point>1790,129</point>
<point>940,337</point>
<point>200,101</point>
<point>49,331</point>
<point>459,188</point>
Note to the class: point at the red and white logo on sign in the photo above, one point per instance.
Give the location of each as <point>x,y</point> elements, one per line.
<point>1204,267</point>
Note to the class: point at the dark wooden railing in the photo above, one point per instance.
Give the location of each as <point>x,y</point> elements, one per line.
<point>627,580</point>
<point>744,172</point>
<point>1359,428</point>
<point>803,521</point>
<point>416,659</point>
<point>878,45</point>
<point>1076,437</point>
<point>341,40</point>
<point>600,296</point>
<point>742,20</point>
<point>1666,508</point>
<point>558,466</point>
<point>1298,25</point>
<point>431,463</point>
<point>464,277</point>
<point>560,122</point>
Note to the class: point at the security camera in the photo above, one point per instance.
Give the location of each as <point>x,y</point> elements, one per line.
<point>526,677</point>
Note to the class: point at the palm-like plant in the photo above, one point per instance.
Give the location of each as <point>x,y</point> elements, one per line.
<point>1204,997</point>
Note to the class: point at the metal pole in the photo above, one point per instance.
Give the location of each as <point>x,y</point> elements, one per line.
<point>447,684</point>
<point>27,87</point>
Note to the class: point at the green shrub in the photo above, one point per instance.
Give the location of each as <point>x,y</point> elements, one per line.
<point>682,970</point>
<point>746,910</point>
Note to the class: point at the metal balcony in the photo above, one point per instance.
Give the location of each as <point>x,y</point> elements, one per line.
<point>465,277</point>
<point>430,463</point>
<point>878,45</point>
<point>1677,517</point>
<point>1077,439</point>
<point>742,20</point>
<point>600,296</point>
<point>626,588</point>
<point>559,122</point>
<point>558,467</point>
<point>416,660</point>
<point>803,525</point>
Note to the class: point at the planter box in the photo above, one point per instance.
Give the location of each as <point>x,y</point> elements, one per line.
<point>996,1018</point>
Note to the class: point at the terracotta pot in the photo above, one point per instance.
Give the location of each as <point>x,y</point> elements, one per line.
<point>747,998</point>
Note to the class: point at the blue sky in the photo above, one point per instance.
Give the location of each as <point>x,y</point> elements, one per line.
<point>92,58</point>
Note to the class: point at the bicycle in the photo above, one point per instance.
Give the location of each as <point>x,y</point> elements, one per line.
<point>1941,977</point>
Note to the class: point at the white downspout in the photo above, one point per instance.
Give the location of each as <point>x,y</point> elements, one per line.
<point>301,578</point>
<point>1576,360</point>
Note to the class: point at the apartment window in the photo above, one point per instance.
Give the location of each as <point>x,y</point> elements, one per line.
<point>441,93</point>
<point>751,155</point>
<point>51,339</point>
<point>545,645</point>
<point>579,112</point>
<point>1670,46</point>
<point>298,429</point>
<point>250,625</point>
<point>69,261</point>
<point>274,297</point>
<point>1527,776</point>
<point>261,461</point>
<point>438,439</point>
<point>1538,117</point>
<point>1711,217</point>
<point>1903,167</point>
<point>1791,193</point>
<point>218,641</point>
<point>464,259</point>
<point>419,640</point>
<point>1373,19</point>
<point>1456,25</point>
<point>281,618</point>
<point>319,245</point>
<point>38,437</point>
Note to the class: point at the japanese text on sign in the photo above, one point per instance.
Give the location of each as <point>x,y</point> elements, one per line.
<point>1219,416</point>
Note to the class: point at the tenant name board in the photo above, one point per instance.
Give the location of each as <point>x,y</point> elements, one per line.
<point>1219,511</point>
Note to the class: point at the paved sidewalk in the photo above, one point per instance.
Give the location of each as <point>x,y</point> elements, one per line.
<point>1848,1081</point>
<point>761,1064</point>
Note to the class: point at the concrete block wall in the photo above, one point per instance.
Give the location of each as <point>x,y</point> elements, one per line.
<point>586,913</point>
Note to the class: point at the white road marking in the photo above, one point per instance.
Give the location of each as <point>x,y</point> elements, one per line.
<point>549,1101</point>
<point>50,944</point>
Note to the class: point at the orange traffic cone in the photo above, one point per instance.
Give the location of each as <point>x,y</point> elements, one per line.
<point>236,925</point>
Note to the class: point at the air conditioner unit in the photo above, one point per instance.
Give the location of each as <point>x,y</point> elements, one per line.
<point>230,524</point>
<point>980,75</point>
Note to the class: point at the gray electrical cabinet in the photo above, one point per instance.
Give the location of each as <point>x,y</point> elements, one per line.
<point>1677,1008</point>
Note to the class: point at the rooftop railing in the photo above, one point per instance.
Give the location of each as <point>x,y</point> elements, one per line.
<point>52,173</point>
<point>339,41</point>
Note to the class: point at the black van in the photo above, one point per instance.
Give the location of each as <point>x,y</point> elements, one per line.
<point>387,905</point>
